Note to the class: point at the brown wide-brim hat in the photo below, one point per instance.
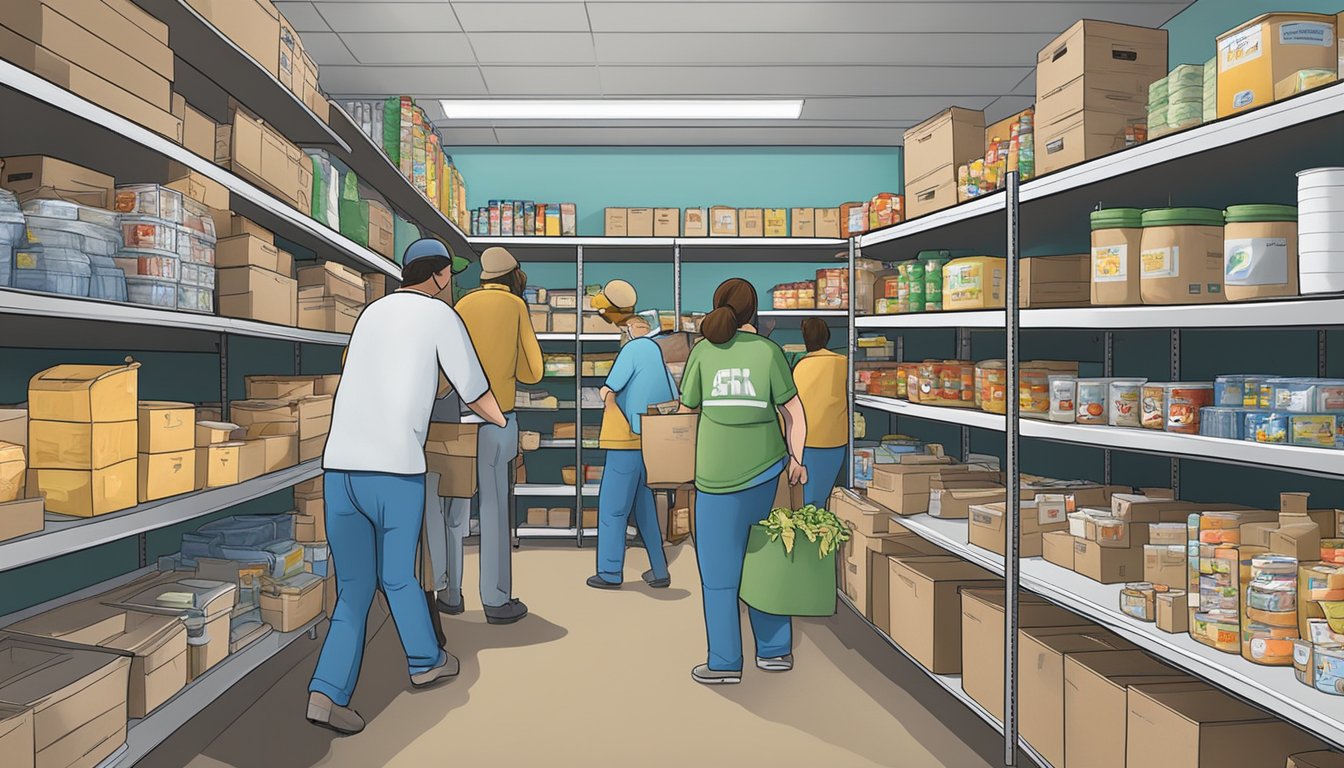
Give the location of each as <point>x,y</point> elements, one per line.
<point>497,262</point>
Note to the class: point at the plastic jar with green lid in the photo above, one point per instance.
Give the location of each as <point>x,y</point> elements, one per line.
<point>1260,251</point>
<point>1181,256</point>
<point>933,262</point>
<point>1116,236</point>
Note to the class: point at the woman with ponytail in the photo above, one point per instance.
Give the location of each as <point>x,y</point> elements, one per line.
<point>741,383</point>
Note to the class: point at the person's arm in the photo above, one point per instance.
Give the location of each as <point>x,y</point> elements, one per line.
<point>530,368</point>
<point>462,366</point>
<point>795,436</point>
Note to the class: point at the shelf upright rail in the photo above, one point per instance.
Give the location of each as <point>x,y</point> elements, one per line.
<point>1012,479</point>
<point>854,253</point>
<point>676,284</point>
<point>579,474</point>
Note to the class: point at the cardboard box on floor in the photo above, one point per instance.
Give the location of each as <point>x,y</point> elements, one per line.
<point>668,445</point>
<point>16,736</point>
<point>1096,703</point>
<point>38,177</point>
<point>1194,724</point>
<point>982,651</point>
<point>925,603</point>
<point>1040,674</point>
<point>450,450</point>
<point>859,513</point>
<point>866,574</point>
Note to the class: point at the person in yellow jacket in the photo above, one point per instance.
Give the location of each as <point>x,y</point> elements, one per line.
<point>820,378</point>
<point>496,317</point>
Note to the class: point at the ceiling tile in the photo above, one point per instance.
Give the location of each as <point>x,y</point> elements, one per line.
<point>342,81</point>
<point>326,48</point>
<point>303,16</point>
<point>801,81</point>
<point>542,81</point>
<point>388,17</point>
<point>820,48</point>
<point>409,47</point>
<point>467,137</point>
<point>533,47</point>
<point>522,17</point>
<point>900,108</point>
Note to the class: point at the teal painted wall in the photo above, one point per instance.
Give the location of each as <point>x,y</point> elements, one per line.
<point>597,177</point>
<point>1192,32</point>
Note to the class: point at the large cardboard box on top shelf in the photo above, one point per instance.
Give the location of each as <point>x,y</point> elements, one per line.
<point>16,736</point>
<point>616,222</point>
<point>1091,81</point>
<point>802,222</point>
<point>933,150</point>
<point>1253,57</point>
<point>260,154</point>
<point>254,293</point>
<point>1195,725</point>
<point>39,177</point>
<point>1041,686</point>
<point>827,222</point>
<point>77,694</point>
<point>666,222</point>
<point>254,25</point>
<point>1096,703</point>
<point>926,607</point>
<point>982,651</point>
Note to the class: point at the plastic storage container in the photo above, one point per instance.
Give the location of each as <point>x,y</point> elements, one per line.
<point>1266,427</point>
<point>106,280</point>
<point>196,217</point>
<point>1260,251</point>
<point>149,200</point>
<point>1063,398</point>
<point>1184,402</point>
<point>52,270</point>
<point>152,292</point>
<point>1117,235</point>
<point>91,239</point>
<point>1182,257</point>
<point>1320,227</point>
<point>1124,408</point>
<point>1153,406</point>
<point>1093,396</point>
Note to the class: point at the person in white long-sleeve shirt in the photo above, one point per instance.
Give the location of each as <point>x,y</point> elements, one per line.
<point>375,474</point>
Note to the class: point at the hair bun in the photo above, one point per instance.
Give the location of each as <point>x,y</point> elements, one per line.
<point>719,325</point>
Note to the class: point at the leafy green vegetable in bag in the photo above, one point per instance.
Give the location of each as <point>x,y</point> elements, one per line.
<point>820,526</point>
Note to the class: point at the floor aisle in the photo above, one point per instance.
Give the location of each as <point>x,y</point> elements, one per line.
<point>598,679</point>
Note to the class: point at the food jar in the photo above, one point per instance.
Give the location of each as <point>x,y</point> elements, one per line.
<point>1182,256</point>
<point>1116,242</point>
<point>1093,395</point>
<point>1260,251</point>
<point>1123,407</point>
<point>1184,402</point>
<point>1033,393</point>
<point>1139,600</point>
<point>933,262</point>
<point>1266,644</point>
<point>1153,406</point>
<point>1063,398</point>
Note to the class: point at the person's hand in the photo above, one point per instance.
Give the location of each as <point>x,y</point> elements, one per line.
<point>797,472</point>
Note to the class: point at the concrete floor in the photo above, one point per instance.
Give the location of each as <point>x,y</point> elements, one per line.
<point>595,678</point>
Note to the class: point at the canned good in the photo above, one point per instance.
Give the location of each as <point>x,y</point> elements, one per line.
<point>1033,393</point>
<point>1092,398</point>
<point>1153,406</point>
<point>993,377</point>
<point>1123,409</point>
<point>1183,404</point>
<point>1063,398</point>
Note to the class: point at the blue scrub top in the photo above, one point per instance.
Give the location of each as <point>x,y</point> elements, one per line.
<point>640,378</point>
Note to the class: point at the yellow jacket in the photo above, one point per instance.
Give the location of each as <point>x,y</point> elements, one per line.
<point>820,378</point>
<point>502,333</point>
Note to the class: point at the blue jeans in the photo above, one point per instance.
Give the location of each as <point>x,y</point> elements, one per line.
<point>722,524</point>
<point>625,490</point>
<point>373,529</point>
<point>823,468</point>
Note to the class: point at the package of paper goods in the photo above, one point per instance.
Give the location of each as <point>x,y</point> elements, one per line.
<point>202,605</point>
<point>158,644</point>
<point>785,572</point>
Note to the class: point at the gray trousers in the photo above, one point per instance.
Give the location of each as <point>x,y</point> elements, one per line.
<point>495,448</point>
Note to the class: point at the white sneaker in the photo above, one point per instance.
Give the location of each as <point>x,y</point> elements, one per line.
<point>778,664</point>
<point>706,676</point>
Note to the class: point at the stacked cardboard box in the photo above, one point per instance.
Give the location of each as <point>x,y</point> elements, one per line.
<point>298,72</point>
<point>288,405</point>
<point>110,52</point>
<point>218,454</point>
<point>1257,57</point>
<point>933,150</point>
<point>330,297</point>
<point>82,435</point>
<point>23,513</point>
<point>925,607</point>
<point>255,278</point>
<point>16,735</point>
<point>260,154</point>
<point>213,601</point>
<point>1092,88</point>
<point>310,516</point>
<point>167,449</point>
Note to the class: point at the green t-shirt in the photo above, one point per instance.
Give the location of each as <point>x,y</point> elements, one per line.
<point>737,386</point>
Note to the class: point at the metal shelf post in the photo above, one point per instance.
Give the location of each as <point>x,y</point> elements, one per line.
<point>676,285</point>
<point>1012,480</point>
<point>849,362</point>
<point>578,401</point>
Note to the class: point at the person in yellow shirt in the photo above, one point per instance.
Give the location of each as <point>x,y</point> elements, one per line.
<point>496,317</point>
<point>820,378</point>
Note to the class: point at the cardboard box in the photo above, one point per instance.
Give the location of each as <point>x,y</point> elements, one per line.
<point>695,223</point>
<point>248,250</point>
<point>666,222</point>
<point>78,697</point>
<point>254,25</point>
<point>277,452</point>
<point>38,177</point>
<point>1057,548</point>
<point>232,225</point>
<point>375,287</point>
<point>124,30</point>
<point>1003,129</point>
<point>166,426</point>
<point>722,221</point>
<point>934,192</point>
<point>289,604</point>
<point>1095,704</point>
<point>254,293</point>
<point>331,279</point>
<point>16,736</point>
<point>72,445</point>
<point>948,139</point>
<point>1297,533</point>
<point>750,222</point>
<point>1194,724</point>
<point>776,222</point>
<point>668,445</point>
<point>382,231</point>
<point>1256,55</point>
<point>89,492</point>
<point>1072,130</point>
<point>211,432</point>
<point>1055,281</point>
<point>1173,613</point>
<point>1165,565</point>
<point>639,222</point>
<point>803,222</point>
<point>926,603</point>
<point>13,471</point>
<point>157,644</point>
<point>1108,565</point>
<point>982,650</point>
<point>1041,688</point>
<point>860,514</point>
<point>161,475</point>
<point>279,387</point>
<point>952,496</point>
<point>1101,49</point>
<point>218,465</point>
<point>988,530</point>
<point>1321,759</point>
<point>21,517</point>
<point>617,222</point>
<point>450,451</point>
<point>258,153</point>
<point>84,393</point>
<point>541,319</point>
<point>198,133</point>
<point>904,487</point>
<point>866,572</point>
<point>197,186</point>
<point>332,314</point>
<point>559,517</point>
<point>828,221</point>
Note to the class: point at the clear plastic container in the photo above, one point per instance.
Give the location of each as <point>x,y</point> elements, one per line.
<point>52,270</point>
<point>196,275</point>
<point>152,292</point>
<point>195,299</point>
<point>1093,396</point>
<point>1316,430</point>
<point>1330,396</point>
<point>1124,408</point>
<point>13,226</point>
<point>92,239</point>
<point>195,248</point>
<point>99,216</point>
<point>107,282</point>
<point>145,233</point>
<point>1063,398</point>
<point>6,265</point>
<point>196,216</point>
<point>149,200</point>
<point>161,265</point>
<point>55,209</point>
<point>1266,427</point>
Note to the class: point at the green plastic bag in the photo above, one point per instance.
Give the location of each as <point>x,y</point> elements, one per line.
<point>392,129</point>
<point>354,212</point>
<point>801,583</point>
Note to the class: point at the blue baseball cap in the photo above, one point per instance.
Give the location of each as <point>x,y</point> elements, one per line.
<point>426,247</point>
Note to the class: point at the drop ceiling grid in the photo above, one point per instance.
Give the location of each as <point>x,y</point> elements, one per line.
<point>866,70</point>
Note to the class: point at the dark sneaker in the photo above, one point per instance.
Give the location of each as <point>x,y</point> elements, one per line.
<point>507,613</point>
<point>451,609</point>
<point>597,582</point>
<point>777,664</point>
<point>706,676</point>
<point>324,712</point>
<point>655,582</point>
<point>449,667</point>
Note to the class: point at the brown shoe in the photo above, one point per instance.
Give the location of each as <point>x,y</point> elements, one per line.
<point>324,712</point>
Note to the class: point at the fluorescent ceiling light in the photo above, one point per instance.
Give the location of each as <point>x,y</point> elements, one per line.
<point>603,109</point>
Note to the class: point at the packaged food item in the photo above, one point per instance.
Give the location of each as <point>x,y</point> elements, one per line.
<point>1327,668</point>
<point>1184,402</point>
<point>1238,390</point>
<point>1268,645</point>
<point>1033,393</point>
<point>1332,551</point>
<point>1123,409</point>
<point>934,283</point>
<point>150,200</point>
<point>144,233</point>
<point>974,282</point>
<point>1153,406</point>
<point>1260,251</point>
<point>1266,427</point>
<point>1093,396</point>
<point>1117,235</point>
<point>1182,258</point>
<point>992,386</point>
<point>1139,600</point>
<point>1219,629</point>
<point>1063,398</point>
<point>1322,430</point>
